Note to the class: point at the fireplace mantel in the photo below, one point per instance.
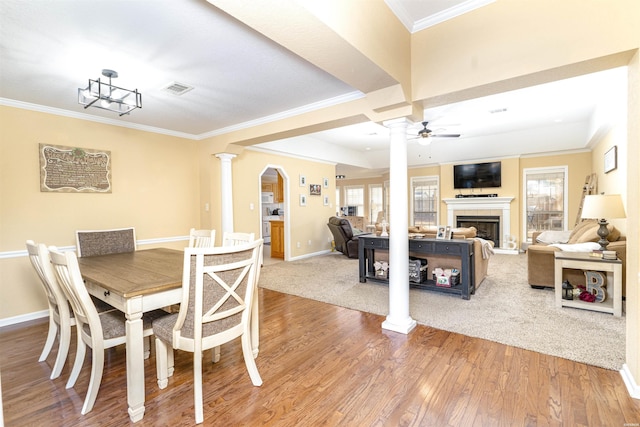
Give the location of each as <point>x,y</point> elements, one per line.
<point>502,204</point>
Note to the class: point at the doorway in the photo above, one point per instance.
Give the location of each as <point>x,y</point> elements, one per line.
<point>273,214</point>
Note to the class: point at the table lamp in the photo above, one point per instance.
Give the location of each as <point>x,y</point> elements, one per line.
<point>602,206</point>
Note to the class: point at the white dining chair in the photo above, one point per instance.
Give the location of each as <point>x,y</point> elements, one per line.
<point>105,242</point>
<point>218,292</point>
<point>230,238</point>
<point>98,331</point>
<point>60,315</point>
<point>202,238</point>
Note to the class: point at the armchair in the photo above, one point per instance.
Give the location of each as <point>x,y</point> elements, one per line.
<point>344,239</point>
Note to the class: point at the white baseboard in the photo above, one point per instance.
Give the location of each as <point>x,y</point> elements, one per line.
<point>310,255</point>
<point>23,318</point>
<point>632,386</point>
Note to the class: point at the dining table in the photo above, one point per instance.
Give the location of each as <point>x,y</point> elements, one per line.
<point>135,283</point>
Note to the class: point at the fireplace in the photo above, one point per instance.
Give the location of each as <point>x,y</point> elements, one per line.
<point>488,226</point>
<point>482,207</point>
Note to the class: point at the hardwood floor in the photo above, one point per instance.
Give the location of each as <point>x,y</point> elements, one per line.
<point>326,365</point>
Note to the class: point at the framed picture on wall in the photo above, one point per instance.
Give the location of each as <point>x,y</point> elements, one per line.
<point>326,201</point>
<point>325,182</point>
<point>303,181</point>
<point>611,159</point>
<point>303,200</point>
<point>315,190</point>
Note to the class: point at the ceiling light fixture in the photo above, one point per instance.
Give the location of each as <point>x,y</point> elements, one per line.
<point>340,177</point>
<point>112,98</point>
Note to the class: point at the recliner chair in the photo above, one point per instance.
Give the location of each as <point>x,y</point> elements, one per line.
<point>343,237</point>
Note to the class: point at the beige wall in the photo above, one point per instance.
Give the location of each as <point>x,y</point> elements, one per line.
<point>578,164</point>
<point>155,189</point>
<point>153,180</point>
<point>307,225</point>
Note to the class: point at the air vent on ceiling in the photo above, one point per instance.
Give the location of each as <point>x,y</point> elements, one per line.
<point>176,88</point>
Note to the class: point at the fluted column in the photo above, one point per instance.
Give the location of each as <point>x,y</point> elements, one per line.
<point>398,319</point>
<point>226,190</point>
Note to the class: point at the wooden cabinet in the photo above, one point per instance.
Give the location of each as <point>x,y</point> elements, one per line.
<point>278,192</point>
<point>277,239</point>
<point>276,187</point>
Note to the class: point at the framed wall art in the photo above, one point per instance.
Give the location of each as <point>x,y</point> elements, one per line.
<point>611,159</point>
<point>303,200</point>
<point>74,170</point>
<point>315,190</point>
<point>325,182</point>
<point>303,181</point>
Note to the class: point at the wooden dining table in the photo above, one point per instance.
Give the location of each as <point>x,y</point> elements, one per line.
<point>136,283</point>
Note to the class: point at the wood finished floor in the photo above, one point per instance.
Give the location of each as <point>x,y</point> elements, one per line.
<point>330,366</point>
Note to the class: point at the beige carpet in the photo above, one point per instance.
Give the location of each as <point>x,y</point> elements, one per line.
<point>505,308</point>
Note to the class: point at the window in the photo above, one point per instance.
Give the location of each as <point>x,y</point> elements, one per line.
<point>546,204</point>
<point>375,203</point>
<point>424,200</point>
<point>354,197</point>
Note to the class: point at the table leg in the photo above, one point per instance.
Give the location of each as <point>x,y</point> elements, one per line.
<point>135,365</point>
<point>558,282</point>
<point>617,290</point>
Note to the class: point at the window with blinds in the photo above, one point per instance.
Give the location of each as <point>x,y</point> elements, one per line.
<point>354,196</point>
<point>376,204</point>
<point>424,200</point>
<point>546,204</point>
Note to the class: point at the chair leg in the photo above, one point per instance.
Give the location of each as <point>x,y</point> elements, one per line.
<point>81,350</point>
<point>247,353</point>
<point>215,355</point>
<point>147,347</point>
<point>63,350</point>
<point>197,386</point>
<point>97,366</point>
<point>164,359</point>
<point>51,337</point>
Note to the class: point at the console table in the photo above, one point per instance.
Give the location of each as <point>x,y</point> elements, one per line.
<point>460,248</point>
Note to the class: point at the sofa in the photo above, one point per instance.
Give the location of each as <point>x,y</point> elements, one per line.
<point>482,249</point>
<point>344,237</point>
<point>541,261</point>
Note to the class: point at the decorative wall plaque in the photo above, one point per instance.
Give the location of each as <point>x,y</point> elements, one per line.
<point>74,170</point>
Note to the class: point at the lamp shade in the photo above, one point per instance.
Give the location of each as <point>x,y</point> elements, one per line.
<point>603,206</point>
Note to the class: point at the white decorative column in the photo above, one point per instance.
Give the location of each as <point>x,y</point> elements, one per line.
<point>398,319</point>
<point>226,184</point>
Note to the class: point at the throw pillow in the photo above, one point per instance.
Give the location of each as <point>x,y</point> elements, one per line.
<point>550,236</point>
<point>591,234</point>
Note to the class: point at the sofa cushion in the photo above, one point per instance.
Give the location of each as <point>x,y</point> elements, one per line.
<point>551,236</point>
<point>464,232</point>
<point>581,228</point>
<point>590,234</point>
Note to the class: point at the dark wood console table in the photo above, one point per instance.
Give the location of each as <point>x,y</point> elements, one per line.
<point>460,248</point>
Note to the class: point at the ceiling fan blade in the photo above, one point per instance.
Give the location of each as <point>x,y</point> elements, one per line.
<point>446,135</point>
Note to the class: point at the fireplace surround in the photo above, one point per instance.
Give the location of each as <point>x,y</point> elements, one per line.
<point>483,207</point>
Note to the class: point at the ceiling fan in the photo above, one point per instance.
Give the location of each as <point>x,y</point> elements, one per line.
<point>425,134</point>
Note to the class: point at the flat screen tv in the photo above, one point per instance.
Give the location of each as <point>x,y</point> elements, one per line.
<point>477,175</point>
